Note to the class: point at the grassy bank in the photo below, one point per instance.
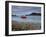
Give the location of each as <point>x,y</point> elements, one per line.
<point>16,26</point>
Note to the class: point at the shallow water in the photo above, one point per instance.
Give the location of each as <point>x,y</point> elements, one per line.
<point>34,19</point>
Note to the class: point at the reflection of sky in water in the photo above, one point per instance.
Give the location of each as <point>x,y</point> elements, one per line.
<point>23,10</point>
<point>28,19</point>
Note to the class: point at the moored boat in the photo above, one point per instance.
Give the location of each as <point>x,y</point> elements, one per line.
<point>23,17</point>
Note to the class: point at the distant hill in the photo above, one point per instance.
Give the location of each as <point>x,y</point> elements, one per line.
<point>38,14</point>
<point>15,15</point>
<point>35,14</point>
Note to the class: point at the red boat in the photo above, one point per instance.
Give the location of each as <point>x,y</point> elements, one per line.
<point>23,17</point>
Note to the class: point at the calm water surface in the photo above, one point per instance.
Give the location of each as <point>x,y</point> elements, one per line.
<point>35,19</point>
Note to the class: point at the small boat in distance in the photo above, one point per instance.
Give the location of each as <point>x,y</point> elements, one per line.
<point>23,17</point>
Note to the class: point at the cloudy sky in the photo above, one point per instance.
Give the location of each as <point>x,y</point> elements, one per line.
<point>23,10</point>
